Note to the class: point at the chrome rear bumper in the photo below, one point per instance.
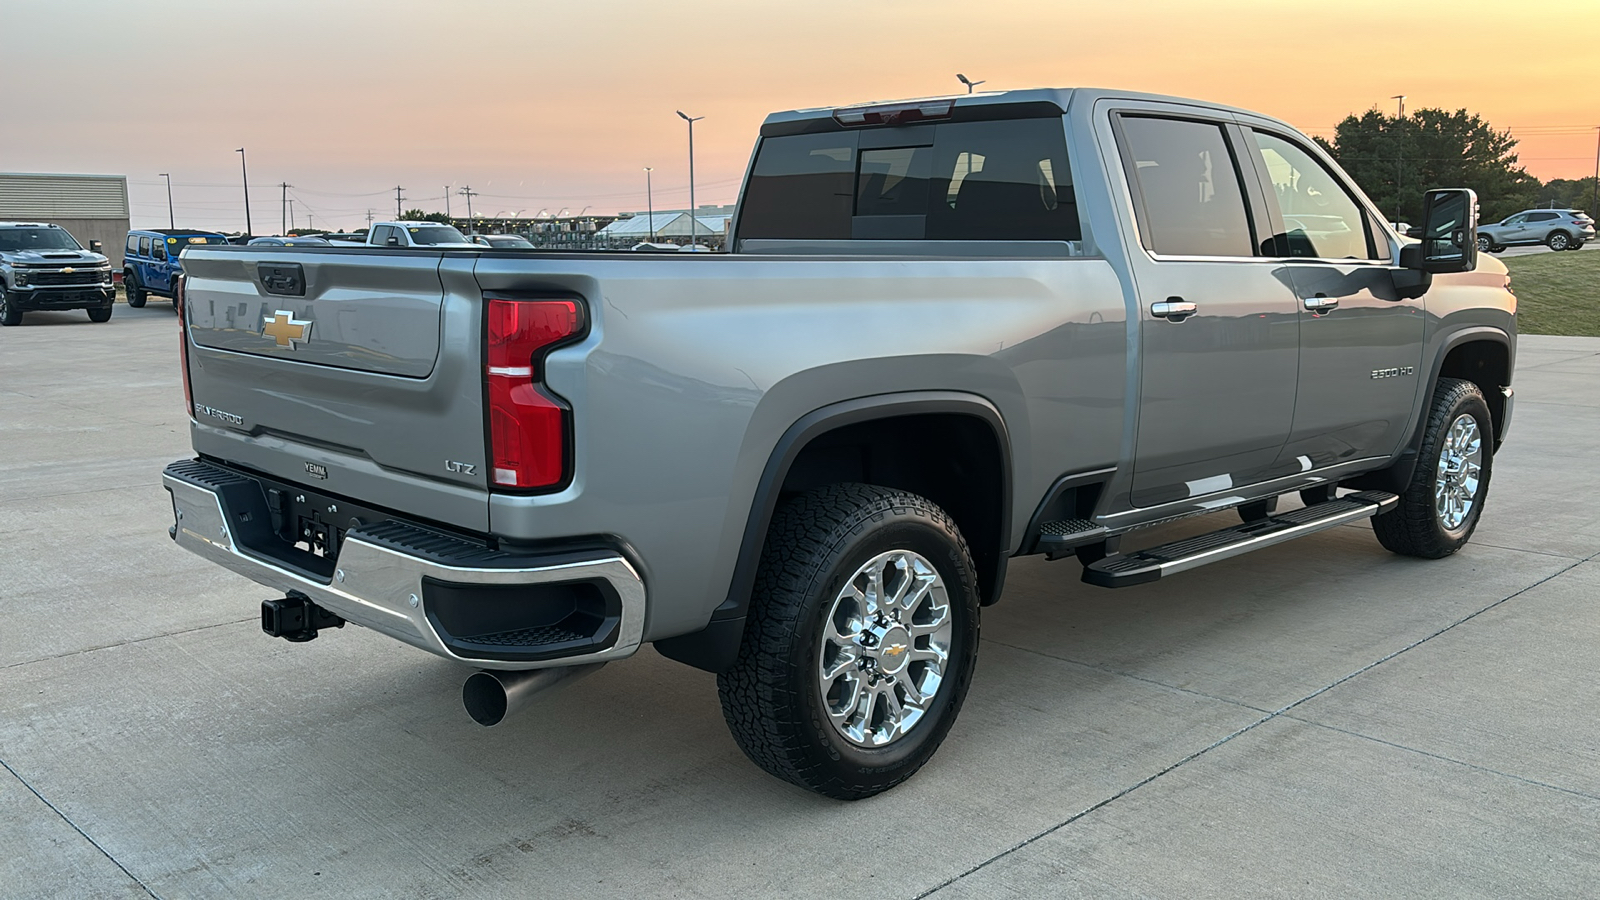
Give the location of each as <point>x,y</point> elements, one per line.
<point>380,587</point>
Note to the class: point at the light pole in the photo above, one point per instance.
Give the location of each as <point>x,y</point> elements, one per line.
<point>1399,153</point>
<point>693,221</point>
<point>968,82</point>
<point>245,170</point>
<point>1595,209</point>
<point>447,201</point>
<point>650,202</point>
<point>172,221</point>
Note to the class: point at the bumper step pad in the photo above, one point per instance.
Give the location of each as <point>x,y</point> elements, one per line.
<point>1149,565</point>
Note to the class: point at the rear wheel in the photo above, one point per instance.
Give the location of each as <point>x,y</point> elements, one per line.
<point>1439,509</point>
<point>860,641</point>
<point>1558,240</point>
<point>103,314</point>
<point>134,290</point>
<point>1484,244</point>
<point>9,314</point>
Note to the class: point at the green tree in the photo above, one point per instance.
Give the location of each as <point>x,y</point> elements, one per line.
<point>1396,160</point>
<point>1567,193</point>
<point>417,215</point>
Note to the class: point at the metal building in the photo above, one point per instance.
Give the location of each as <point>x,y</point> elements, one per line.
<point>92,207</point>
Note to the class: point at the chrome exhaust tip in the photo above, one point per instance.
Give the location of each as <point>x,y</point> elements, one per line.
<point>491,696</point>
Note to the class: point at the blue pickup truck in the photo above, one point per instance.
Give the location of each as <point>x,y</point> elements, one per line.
<point>150,260</point>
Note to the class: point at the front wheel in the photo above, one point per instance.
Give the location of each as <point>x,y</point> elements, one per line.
<point>1558,240</point>
<point>1439,509</point>
<point>860,641</point>
<point>135,291</point>
<point>103,314</point>
<point>9,314</point>
<point>1484,244</point>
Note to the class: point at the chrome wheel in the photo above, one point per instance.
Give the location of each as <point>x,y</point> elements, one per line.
<point>1557,241</point>
<point>885,646</point>
<point>1483,244</point>
<point>1455,487</point>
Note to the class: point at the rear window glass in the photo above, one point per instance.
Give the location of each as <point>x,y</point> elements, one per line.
<point>988,181</point>
<point>801,188</point>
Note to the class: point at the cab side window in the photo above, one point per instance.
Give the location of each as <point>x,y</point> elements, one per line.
<point>1002,181</point>
<point>133,243</point>
<point>1187,190</point>
<point>144,246</point>
<point>1320,218</point>
<point>159,250</point>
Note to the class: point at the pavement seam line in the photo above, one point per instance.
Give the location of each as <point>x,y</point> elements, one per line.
<point>153,637</point>
<point>1442,758</point>
<point>1107,670</point>
<point>1251,727</point>
<point>74,826</point>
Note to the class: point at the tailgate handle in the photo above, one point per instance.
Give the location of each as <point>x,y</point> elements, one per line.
<point>285,280</point>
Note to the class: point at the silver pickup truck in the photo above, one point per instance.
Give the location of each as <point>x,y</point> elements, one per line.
<point>951,332</point>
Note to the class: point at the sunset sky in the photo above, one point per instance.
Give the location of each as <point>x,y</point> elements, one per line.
<point>539,106</point>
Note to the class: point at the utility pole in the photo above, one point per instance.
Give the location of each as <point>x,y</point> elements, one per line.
<point>288,218</point>
<point>447,202</point>
<point>171,219</point>
<point>468,193</point>
<point>248,229</point>
<point>649,202</point>
<point>1401,114</point>
<point>291,216</point>
<point>397,199</point>
<point>369,220</point>
<point>310,222</point>
<point>694,220</point>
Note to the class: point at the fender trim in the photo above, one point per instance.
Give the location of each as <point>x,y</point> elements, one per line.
<point>715,647</point>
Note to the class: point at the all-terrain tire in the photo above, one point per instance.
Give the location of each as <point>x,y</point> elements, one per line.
<point>772,696</point>
<point>134,290</point>
<point>1417,526</point>
<point>9,315</point>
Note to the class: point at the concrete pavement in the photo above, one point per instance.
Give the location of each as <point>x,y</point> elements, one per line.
<point>1317,719</point>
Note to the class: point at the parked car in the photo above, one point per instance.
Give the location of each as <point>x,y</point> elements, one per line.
<point>1401,228</point>
<point>1558,229</point>
<point>416,234</point>
<point>151,264</point>
<point>804,464</point>
<point>290,241</point>
<point>42,266</point>
<point>503,241</point>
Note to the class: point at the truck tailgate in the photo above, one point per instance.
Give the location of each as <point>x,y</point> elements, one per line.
<point>354,372</point>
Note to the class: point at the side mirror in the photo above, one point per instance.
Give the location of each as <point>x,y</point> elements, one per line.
<point>392,242</point>
<point>96,247</point>
<point>1449,233</point>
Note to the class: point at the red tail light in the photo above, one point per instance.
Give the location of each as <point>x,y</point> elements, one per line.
<point>183,343</point>
<point>527,424</point>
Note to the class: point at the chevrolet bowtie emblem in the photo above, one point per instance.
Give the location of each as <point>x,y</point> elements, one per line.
<point>286,329</point>
<point>67,270</point>
<point>894,650</point>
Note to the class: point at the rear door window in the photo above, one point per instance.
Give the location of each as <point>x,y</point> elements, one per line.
<point>1189,197</point>
<point>133,243</point>
<point>144,245</point>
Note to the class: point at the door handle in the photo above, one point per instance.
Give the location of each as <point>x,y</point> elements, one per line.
<point>1321,303</point>
<point>1173,309</point>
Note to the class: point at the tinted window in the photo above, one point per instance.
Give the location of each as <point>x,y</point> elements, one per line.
<point>133,243</point>
<point>144,246</point>
<point>428,235</point>
<point>802,187</point>
<point>160,250</point>
<point>47,238</point>
<point>380,235</point>
<point>1190,197</point>
<point>1002,181</point>
<point>1320,218</point>
<point>893,182</point>
<point>1542,217</point>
